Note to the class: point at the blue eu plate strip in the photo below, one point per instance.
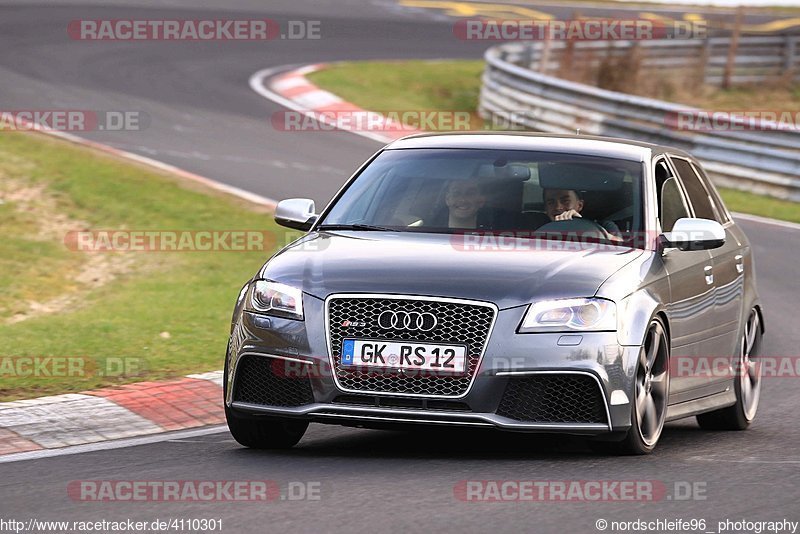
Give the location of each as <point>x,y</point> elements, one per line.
<point>348,350</point>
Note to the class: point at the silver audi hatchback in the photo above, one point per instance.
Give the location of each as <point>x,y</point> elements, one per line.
<point>522,282</point>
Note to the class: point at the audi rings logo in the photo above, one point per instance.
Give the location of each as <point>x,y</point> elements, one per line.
<point>405,320</point>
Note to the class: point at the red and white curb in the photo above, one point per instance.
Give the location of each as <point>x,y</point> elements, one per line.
<point>113,413</point>
<point>293,90</point>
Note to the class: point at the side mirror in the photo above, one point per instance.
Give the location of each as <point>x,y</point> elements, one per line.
<point>694,234</point>
<point>296,213</point>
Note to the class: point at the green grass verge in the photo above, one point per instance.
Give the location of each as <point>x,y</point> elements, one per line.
<point>405,85</point>
<point>118,323</point>
<point>744,202</point>
<point>455,86</point>
<point>781,98</point>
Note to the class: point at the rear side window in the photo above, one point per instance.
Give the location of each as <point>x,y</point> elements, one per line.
<point>724,215</point>
<point>697,192</point>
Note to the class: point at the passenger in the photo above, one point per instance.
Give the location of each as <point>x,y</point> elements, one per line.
<point>464,200</point>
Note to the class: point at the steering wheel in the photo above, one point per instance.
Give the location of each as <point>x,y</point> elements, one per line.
<point>577,225</point>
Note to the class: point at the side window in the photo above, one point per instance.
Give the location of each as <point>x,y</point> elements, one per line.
<point>698,195</point>
<point>362,204</point>
<point>719,206</point>
<point>407,199</point>
<point>671,204</point>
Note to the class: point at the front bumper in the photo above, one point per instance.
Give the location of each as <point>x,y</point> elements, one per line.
<point>597,357</point>
<point>384,417</point>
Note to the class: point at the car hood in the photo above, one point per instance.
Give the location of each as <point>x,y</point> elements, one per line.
<point>509,273</point>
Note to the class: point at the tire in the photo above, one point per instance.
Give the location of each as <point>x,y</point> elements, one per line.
<point>747,383</point>
<point>265,432</point>
<point>650,396</point>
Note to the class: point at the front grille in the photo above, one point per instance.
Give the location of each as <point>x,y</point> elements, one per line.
<point>262,380</point>
<point>458,323</point>
<point>553,398</point>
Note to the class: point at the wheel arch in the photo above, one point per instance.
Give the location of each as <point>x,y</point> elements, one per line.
<point>760,313</point>
<point>636,312</point>
<point>662,314</point>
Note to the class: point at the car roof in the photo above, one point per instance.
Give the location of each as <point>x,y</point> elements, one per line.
<point>574,144</point>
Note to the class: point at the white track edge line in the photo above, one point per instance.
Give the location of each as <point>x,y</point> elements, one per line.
<point>111,444</point>
<point>166,167</point>
<point>766,220</point>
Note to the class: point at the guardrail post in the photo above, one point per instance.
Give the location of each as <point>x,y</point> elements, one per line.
<point>705,57</point>
<point>526,58</point>
<point>731,62</point>
<point>544,56</point>
<point>567,62</point>
<point>789,51</point>
<point>568,59</point>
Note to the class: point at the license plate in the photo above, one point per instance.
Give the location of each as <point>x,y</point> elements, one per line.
<point>403,355</point>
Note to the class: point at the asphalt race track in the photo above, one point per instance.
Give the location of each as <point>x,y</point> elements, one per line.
<point>205,118</point>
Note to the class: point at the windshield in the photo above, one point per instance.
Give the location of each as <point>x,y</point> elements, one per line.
<point>454,190</point>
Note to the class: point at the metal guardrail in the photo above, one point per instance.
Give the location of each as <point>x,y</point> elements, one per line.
<point>758,57</point>
<point>764,162</point>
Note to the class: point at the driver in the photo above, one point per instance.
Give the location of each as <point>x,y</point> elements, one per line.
<point>566,204</point>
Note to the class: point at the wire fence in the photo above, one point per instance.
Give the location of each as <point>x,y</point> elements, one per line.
<point>773,58</point>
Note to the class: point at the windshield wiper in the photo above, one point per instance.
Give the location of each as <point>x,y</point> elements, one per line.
<point>357,226</point>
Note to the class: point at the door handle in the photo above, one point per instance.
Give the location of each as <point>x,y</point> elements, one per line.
<point>739,263</point>
<point>709,274</point>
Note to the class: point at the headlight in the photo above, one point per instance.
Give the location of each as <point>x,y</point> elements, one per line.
<point>277,299</point>
<point>570,314</point>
